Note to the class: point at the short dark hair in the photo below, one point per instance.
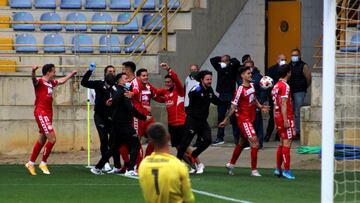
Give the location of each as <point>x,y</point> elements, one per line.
<point>138,72</point>
<point>157,133</point>
<point>131,65</point>
<point>118,76</point>
<point>252,62</point>
<point>284,70</point>
<point>47,68</point>
<point>245,57</point>
<point>202,74</point>
<point>107,67</point>
<point>168,76</point>
<point>242,69</point>
<point>296,49</point>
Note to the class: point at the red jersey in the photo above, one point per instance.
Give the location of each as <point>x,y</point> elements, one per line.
<point>44,95</point>
<point>244,99</point>
<point>174,101</point>
<point>137,87</point>
<point>282,90</point>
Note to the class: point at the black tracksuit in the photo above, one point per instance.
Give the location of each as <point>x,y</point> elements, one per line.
<point>196,119</point>
<point>122,131</point>
<point>102,115</point>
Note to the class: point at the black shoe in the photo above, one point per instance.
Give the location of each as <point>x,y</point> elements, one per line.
<point>218,142</point>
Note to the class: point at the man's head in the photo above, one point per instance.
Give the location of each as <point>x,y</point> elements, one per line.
<point>205,78</point>
<point>245,73</point>
<point>281,59</point>
<point>194,70</point>
<point>169,83</point>
<point>110,69</point>
<point>121,79</point>
<point>225,59</point>
<point>284,72</point>
<point>249,64</point>
<point>158,135</point>
<point>48,70</point>
<point>129,67</point>
<point>295,55</point>
<point>245,58</point>
<point>143,75</point>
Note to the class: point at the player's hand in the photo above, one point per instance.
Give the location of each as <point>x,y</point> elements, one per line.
<point>286,123</point>
<point>92,66</point>
<point>265,108</point>
<point>148,108</point>
<point>165,66</point>
<point>108,102</point>
<point>148,118</point>
<point>223,123</point>
<point>74,72</point>
<point>35,67</point>
<point>129,94</point>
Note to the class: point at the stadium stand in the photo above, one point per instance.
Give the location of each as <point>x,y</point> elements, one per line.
<point>20,3</point>
<point>51,40</point>
<point>149,5</point>
<point>109,44</point>
<point>76,17</point>
<point>25,43</point>
<point>132,26</point>
<point>101,17</point>
<point>70,4</point>
<point>48,4</point>
<point>82,44</point>
<point>136,46</point>
<point>95,4</point>
<point>120,4</point>
<point>50,16</point>
<point>149,23</point>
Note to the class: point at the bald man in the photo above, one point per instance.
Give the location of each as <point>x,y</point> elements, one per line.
<point>273,73</point>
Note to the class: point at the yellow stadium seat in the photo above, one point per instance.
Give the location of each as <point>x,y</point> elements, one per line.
<point>4,18</point>
<point>7,66</point>
<point>6,44</point>
<point>3,2</point>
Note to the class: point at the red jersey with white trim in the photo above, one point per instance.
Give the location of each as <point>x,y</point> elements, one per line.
<point>282,90</point>
<point>44,94</point>
<point>244,99</point>
<point>137,88</point>
<point>174,101</point>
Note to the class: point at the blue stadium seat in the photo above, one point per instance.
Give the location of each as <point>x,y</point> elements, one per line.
<point>23,16</point>
<point>95,4</point>
<point>358,26</point>
<point>54,39</point>
<point>172,4</point>
<point>129,39</point>
<point>70,4</point>
<point>26,40</point>
<point>76,17</point>
<point>120,4</point>
<point>147,19</point>
<point>20,3</point>
<point>51,4</point>
<point>132,26</point>
<point>101,17</point>
<point>109,44</point>
<point>150,4</point>
<point>50,16</point>
<point>354,44</point>
<point>82,44</point>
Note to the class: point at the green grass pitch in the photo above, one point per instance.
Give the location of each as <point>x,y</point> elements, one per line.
<point>74,183</point>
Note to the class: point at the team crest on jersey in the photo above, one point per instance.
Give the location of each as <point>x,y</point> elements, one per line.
<point>249,91</point>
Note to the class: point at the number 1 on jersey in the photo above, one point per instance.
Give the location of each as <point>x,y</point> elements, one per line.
<point>155,173</point>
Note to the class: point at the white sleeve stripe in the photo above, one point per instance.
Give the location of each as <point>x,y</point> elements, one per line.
<point>237,96</point>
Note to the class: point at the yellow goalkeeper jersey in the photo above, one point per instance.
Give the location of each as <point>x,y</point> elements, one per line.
<point>164,178</point>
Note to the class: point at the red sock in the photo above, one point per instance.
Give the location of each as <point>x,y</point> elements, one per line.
<point>279,159</point>
<point>36,150</point>
<point>149,149</point>
<point>124,152</point>
<point>47,150</point>
<point>254,152</point>
<point>286,157</point>
<point>236,153</point>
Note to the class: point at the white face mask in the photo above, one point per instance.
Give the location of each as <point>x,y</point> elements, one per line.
<point>295,59</point>
<point>282,62</point>
<point>223,65</point>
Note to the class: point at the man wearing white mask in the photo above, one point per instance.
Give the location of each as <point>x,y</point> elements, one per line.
<point>273,73</point>
<point>227,69</point>
<point>299,82</point>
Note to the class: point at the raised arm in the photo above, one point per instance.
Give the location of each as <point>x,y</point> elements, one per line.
<point>215,62</point>
<point>33,75</point>
<point>179,87</point>
<point>66,78</point>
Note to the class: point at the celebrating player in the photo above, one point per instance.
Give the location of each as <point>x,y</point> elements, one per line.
<point>244,104</point>
<point>44,88</point>
<point>163,178</point>
<point>173,97</point>
<point>284,120</point>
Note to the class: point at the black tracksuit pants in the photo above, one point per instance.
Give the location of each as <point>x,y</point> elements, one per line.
<point>192,127</point>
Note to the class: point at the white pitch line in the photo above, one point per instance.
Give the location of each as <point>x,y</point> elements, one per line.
<point>79,184</point>
<point>203,193</point>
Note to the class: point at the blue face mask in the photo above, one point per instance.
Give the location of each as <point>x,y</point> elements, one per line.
<point>127,86</point>
<point>295,59</point>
